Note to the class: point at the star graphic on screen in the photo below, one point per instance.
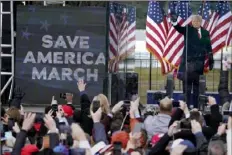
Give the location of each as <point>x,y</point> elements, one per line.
<point>64,17</point>
<point>31,8</point>
<point>44,25</point>
<point>26,34</point>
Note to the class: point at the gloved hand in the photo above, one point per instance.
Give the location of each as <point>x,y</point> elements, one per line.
<point>173,17</point>
<point>211,61</point>
<point>17,97</point>
<point>18,93</point>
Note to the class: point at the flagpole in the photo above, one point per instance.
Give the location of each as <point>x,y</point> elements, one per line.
<point>221,57</point>
<point>186,59</point>
<point>150,70</point>
<point>107,87</point>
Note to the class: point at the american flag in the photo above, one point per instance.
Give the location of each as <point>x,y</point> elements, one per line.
<point>206,13</point>
<point>223,23</point>
<point>156,33</point>
<point>175,41</point>
<point>121,34</point>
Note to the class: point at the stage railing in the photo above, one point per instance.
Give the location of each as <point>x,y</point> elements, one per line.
<point>158,81</point>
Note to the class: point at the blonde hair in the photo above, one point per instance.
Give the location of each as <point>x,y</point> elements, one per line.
<point>166,105</point>
<point>197,17</point>
<point>104,103</point>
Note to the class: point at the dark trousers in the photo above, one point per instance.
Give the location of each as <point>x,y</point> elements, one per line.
<point>192,83</point>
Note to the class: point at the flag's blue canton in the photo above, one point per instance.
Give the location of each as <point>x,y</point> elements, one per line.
<point>184,10</point>
<point>205,12</point>
<point>131,15</point>
<point>155,12</point>
<point>117,10</point>
<point>223,8</point>
<point>173,6</point>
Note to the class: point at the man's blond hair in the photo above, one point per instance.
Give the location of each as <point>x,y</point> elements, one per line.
<point>197,17</point>
<point>166,105</point>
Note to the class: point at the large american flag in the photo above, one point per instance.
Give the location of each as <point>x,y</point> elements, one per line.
<point>156,33</point>
<point>223,23</point>
<point>175,41</point>
<point>121,34</point>
<point>217,23</point>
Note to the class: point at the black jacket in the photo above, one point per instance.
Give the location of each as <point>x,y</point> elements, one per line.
<point>196,49</point>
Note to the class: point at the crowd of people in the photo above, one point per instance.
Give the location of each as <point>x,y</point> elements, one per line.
<point>99,128</point>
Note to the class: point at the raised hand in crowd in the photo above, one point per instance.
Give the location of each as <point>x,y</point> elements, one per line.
<point>28,121</point>
<point>134,141</point>
<point>211,101</point>
<point>221,129</point>
<point>97,115</point>
<point>5,119</point>
<point>172,129</point>
<point>50,123</point>
<point>77,133</point>
<point>16,128</point>
<point>117,107</point>
<point>134,105</point>
<point>81,85</point>
<point>229,123</point>
<point>54,102</point>
<point>196,127</point>
<point>178,150</point>
<point>21,110</point>
<point>183,105</point>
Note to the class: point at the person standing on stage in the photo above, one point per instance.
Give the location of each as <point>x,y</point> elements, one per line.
<point>197,47</point>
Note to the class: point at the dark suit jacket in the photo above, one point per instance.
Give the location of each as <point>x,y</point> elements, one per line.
<point>197,49</point>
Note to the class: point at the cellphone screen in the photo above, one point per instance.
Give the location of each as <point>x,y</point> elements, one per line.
<point>55,107</point>
<point>8,134</point>
<point>10,124</point>
<point>175,103</point>
<point>96,105</point>
<point>117,146</point>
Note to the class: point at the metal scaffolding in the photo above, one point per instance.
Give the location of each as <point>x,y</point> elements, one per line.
<point>10,81</point>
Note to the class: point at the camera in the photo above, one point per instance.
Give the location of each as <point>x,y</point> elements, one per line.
<point>227,113</point>
<point>184,124</point>
<point>175,103</point>
<point>54,107</point>
<point>203,100</point>
<point>64,95</point>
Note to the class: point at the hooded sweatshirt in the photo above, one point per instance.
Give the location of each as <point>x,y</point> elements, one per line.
<point>157,124</point>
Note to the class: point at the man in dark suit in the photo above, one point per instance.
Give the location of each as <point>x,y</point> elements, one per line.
<point>197,47</point>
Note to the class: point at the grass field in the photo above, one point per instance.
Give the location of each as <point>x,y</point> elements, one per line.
<point>158,81</point>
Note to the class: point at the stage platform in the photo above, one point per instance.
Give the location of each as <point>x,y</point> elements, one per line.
<point>176,95</point>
